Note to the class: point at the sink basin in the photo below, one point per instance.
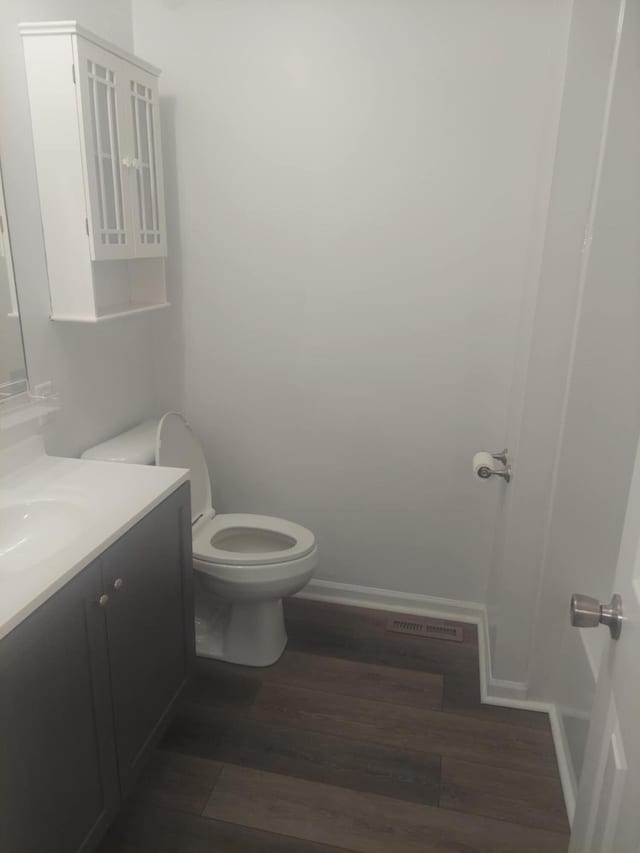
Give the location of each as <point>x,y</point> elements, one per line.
<point>30,531</point>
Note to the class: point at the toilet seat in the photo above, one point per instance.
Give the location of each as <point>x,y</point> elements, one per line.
<point>242,539</point>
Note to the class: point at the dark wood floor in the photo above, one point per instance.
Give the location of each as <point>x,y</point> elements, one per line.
<point>358,739</point>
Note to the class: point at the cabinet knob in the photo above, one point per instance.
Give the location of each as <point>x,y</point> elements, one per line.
<point>103,600</point>
<point>118,583</point>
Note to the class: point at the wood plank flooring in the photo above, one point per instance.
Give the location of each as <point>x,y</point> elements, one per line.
<point>358,739</point>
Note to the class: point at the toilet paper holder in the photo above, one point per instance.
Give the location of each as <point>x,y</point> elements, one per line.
<point>500,456</point>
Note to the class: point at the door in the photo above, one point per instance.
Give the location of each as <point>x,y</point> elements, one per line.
<point>146,186</point>
<point>150,626</point>
<point>103,122</point>
<point>58,778</point>
<point>607,816</point>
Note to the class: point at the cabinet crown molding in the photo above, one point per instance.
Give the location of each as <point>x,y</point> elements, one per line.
<point>73,28</point>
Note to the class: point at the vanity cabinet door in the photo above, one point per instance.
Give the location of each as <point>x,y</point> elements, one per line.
<point>58,775</point>
<point>148,577</point>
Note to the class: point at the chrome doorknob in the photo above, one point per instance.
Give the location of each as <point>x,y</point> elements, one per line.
<point>118,584</point>
<point>103,600</point>
<point>587,612</point>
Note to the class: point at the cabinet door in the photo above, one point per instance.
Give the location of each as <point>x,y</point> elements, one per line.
<point>103,122</point>
<point>148,577</point>
<point>147,191</point>
<point>58,777</point>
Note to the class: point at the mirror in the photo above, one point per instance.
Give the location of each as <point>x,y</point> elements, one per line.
<point>13,370</point>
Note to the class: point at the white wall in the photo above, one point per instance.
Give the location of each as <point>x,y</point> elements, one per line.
<point>355,202</point>
<point>104,374</point>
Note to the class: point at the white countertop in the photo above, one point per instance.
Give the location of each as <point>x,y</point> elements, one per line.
<point>110,497</point>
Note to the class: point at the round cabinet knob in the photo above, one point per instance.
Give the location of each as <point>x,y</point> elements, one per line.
<point>118,584</point>
<point>103,600</point>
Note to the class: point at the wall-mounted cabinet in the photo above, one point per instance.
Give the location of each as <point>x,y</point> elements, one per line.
<point>96,133</point>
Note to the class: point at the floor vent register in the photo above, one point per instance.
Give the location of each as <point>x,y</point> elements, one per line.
<point>429,629</point>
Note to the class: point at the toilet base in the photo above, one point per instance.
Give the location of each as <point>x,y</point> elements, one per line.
<point>250,634</point>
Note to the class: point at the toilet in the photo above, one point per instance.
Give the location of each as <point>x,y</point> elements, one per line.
<point>244,564</point>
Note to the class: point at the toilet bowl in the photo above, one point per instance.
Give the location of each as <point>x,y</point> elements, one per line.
<point>244,564</point>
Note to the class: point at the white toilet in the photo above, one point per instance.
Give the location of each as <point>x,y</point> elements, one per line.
<point>244,564</point>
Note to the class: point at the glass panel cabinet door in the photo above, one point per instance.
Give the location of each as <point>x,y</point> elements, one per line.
<point>99,75</point>
<point>149,230</point>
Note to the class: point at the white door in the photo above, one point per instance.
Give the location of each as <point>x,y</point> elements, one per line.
<point>146,189</point>
<point>99,78</point>
<point>607,817</point>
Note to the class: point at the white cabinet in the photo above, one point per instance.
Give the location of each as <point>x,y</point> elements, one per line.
<point>118,105</point>
<point>96,132</point>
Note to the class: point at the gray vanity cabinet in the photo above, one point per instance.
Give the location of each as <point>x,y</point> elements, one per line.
<point>150,626</point>
<point>58,771</point>
<point>87,683</point>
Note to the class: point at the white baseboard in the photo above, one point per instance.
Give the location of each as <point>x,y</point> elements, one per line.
<point>565,767</point>
<point>389,599</point>
<point>493,691</point>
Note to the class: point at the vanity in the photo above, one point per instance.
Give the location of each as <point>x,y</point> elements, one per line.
<point>96,638</point>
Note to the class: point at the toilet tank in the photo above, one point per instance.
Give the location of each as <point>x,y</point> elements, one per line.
<point>136,445</point>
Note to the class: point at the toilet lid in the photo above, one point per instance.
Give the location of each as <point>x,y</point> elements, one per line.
<point>177,447</point>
